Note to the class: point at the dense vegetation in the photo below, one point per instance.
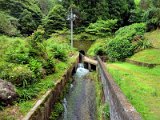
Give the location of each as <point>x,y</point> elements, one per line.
<point>34,37</point>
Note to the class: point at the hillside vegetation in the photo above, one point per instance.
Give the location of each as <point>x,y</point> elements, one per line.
<point>35,49</point>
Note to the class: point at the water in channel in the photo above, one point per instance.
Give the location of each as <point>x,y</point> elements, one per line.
<point>80,103</point>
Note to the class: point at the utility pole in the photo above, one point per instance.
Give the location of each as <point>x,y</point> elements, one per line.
<point>72,19</point>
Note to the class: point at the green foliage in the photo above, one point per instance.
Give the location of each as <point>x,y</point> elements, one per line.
<point>26,12</point>
<point>36,67</point>
<point>58,109</point>
<point>152,18</point>
<point>145,4</point>
<point>59,52</point>
<point>106,111</point>
<point>17,53</point>
<point>49,66</point>
<point>102,28</point>
<point>27,21</point>
<point>6,26</point>
<point>55,20</point>
<point>37,49</point>
<point>129,32</point>
<point>142,45</point>
<point>119,49</point>
<point>128,40</point>
<point>19,75</point>
<point>136,16</point>
<point>137,2</point>
<point>89,11</point>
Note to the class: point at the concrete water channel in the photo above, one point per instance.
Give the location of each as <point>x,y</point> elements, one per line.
<point>80,102</point>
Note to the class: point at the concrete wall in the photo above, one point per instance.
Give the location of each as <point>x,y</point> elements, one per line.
<point>120,108</point>
<point>43,107</point>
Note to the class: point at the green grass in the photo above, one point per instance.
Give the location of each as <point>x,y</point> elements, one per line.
<point>154,38</point>
<point>147,56</point>
<point>141,86</point>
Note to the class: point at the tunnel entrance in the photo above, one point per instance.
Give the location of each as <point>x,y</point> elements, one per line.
<point>82,52</point>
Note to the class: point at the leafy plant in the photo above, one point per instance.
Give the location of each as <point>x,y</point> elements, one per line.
<point>17,53</point>
<point>36,67</point>
<point>152,18</point>
<point>118,49</point>
<point>49,66</point>
<point>59,52</point>
<point>102,28</point>
<point>128,32</point>
<point>20,75</point>
<point>58,109</point>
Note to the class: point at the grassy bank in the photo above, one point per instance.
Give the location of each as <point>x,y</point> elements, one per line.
<point>154,38</point>
<point>147,56</point>
<point>141,86</point>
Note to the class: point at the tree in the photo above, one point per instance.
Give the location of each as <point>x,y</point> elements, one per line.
<point>27,23</point>
<point>56,19</point>
<point>120,9</point>
<point>152,17</point>
<point>26,12</point>
<point>6,26</point>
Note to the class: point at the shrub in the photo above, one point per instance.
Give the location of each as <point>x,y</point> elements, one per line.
<point>37,49</point>
<point>101,27</point>
<point>58,109</point>
<point>36,67</point>
<point>59,52</point>
<point>141,45</point>
<point>17,53</point>
<point>119,49</point>
<point>49,66</point>
<point>128,32</point>
<point>20,75</point>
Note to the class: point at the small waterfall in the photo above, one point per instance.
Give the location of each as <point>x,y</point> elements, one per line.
<point>81,71</point>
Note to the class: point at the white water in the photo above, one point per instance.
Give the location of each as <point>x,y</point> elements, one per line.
<point>81,71</point>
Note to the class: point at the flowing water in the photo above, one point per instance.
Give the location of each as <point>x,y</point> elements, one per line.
<point>80,103</point>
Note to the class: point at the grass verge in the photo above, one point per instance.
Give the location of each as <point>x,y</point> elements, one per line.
<point>154,38</point>
<point>147,56</point>
<point>141,86</point>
